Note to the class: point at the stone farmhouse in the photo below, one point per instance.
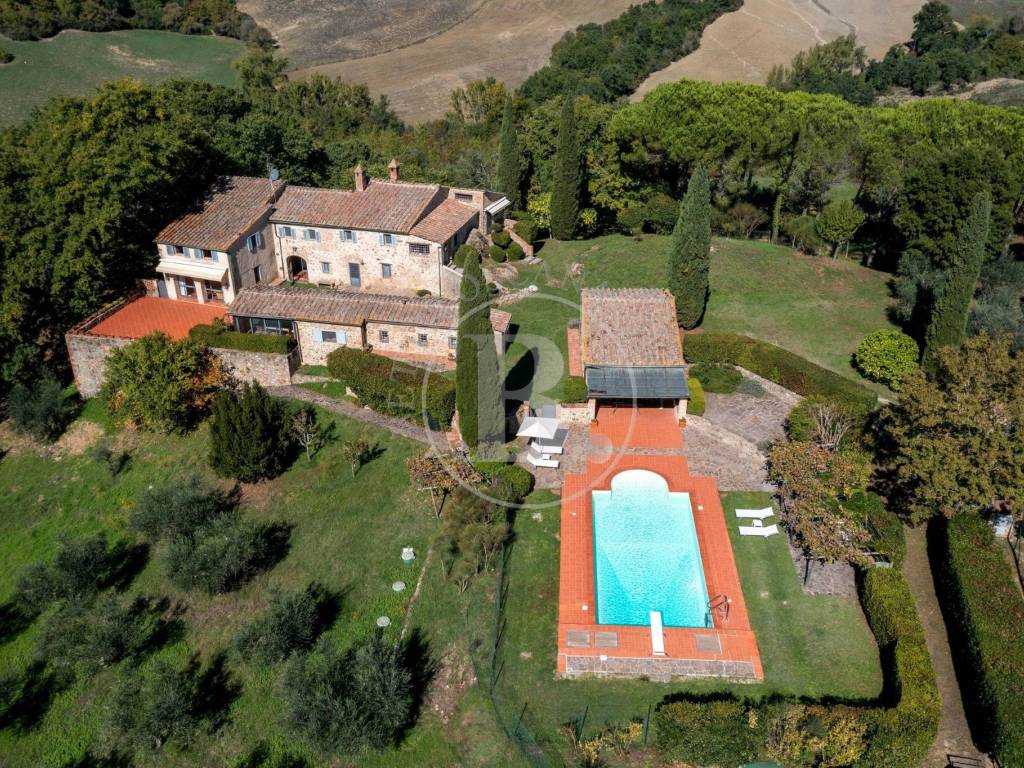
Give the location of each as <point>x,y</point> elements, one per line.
<point>244,252</point>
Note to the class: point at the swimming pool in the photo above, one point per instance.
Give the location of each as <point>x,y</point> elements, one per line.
<point>646,555</point>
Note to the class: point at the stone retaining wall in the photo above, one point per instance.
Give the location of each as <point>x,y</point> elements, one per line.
<point>88,356</point>
<point>662,670</point>
<point>270,369</point>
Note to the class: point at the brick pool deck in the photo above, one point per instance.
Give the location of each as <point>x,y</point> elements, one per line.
<point>729,649</point>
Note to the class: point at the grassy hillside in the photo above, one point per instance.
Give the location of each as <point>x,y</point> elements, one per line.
<point>74,63</point>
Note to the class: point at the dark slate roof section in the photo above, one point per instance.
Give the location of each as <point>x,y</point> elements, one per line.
<point>640,383</point>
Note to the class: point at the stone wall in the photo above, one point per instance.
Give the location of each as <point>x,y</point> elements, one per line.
<point>574,413</point>
<point>265,258</point>
<point>404,340</point>
<point>88,356</point>
<point>315,352</point>
<point>663,669</point>
<point>268,368</point>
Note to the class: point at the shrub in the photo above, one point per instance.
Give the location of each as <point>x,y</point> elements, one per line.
<point>719,378</point>
<point>804,424</point>
<point>501,239</point>
<point>343,702</point>
<point>160,384</point>
<point>290,624</point>
<point>497,227</point>
<point>250,435</point>
<point>777,365</point>
<point>887,534</point>
<point>218,335</point>
<point>514,252</point>
<point>221,556</point>
<point>100,636</point>
<point>575,390</point>
<point>660,213</point>
<point>632,218</point>
<point>518,480</point>
<point>887,356</point>
<point>394,388</point>
<point>6,57</point>
<point>42,410</point>
<point>422,292</point>
<point>462,253</point>
<point>178,508</point>
<point>527,229</point>
<point>155,708</point>
<point>696,404</point>
<point>707,733</point>
<point>77,571</point>
<point>496,253</point>
<point>988,613</point>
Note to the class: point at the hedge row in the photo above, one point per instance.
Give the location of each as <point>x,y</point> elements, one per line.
<point>394,388</point>
<point>776,364</point>
<point>220,336</point>
<point>988,626</point>
<point>898,735</point>
<point>696,404</point>
<point>517,478</point>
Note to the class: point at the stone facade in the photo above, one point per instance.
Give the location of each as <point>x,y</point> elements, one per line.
<point>409,271</point>
<point>245,262</point>
<point>314,350</point>
<point>662,669</point>
<point>405,340</point>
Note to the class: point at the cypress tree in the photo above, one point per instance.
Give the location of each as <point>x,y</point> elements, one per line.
<point>509,168</point>
<point>948,326</point>
<point>565,190</point>
<point>472,291</point>
<point>690,257</point>
<point>249,438</point>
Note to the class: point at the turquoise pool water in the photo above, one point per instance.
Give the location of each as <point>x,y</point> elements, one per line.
<point>646,555</point>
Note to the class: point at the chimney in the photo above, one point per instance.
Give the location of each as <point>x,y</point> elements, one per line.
<point>393,167</point>
<point>361,178</point>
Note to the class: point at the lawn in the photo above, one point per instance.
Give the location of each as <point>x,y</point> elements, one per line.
<point>810,646</point>
<point>75,63</point>
<point>346,533</point>
<point>811,306</point>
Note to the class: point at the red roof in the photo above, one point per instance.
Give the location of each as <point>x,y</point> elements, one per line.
<point>383,206</point>
<point>148,314</point>
<point>228,210</point>
<point>444,222</point>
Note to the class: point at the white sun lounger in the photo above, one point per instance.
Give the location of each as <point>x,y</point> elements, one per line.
<point>657,635</point>
<point>754,514</point>
<point>759,530</point>
<point>538,459</point>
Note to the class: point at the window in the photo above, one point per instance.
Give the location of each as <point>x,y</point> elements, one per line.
<point>208,255</point>
<point>347,236</point>
<point>453,342</point>
<point>214,292</point>
<point>385,270</point>
<point>285,232</point>
<point>383,337</point>
<point>386,238</point>
<point>421,339</point>
<point>270,325</point>
<point>257,274</point>
<point>464,197</point>
<point>254,242</point>
<point>186,287</point>
<point>175,250</point>
<point>331,337</point>
<point>419,248</point>
<point>310,234</point>
<point>325,267</point>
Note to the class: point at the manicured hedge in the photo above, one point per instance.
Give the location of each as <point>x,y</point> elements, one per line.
<point>518,478</point>
<point>575,390</point>
<point>696,404</point>
<point>987,632</point>
<point>394,388</point>
<point>897,734</point>
<point>220,336</point>
<point>526,229</point>
<point>776,364</point>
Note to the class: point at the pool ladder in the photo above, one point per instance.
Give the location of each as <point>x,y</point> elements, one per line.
<point>718,604</point>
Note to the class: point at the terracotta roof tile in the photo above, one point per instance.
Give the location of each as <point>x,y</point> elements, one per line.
<point>444,221</point>
<point>148,314</point>
<point>631,327</point>
<point>228,210</point>
<point>326,305</point>
<point>383,206</point>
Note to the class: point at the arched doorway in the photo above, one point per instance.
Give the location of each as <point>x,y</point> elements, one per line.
<point>297,268</point>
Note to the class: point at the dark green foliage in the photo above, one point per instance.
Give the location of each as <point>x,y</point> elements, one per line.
<point>462,253</point>
<point>6,57</point>
<point>696,404</point>
<point>497,253</point>
<point>575,390</point>
<point>527,229</point>
<point>514,252</point>
<point>631,219</point>
<point>290,624</point>
<point>474,531</point>
<point>509,174</point>
<point>518,480</point>
<point>886,529</point>
<point>661,213</point>
<point>948,325</point>
<point>222,555</point>
<point>250,438</point>
<point>78,570</point>
<point>98,636</point>
<point>689,261</point>
<point>501,238</point>
<point>986,612</point>
<point>42,410</point>
<point>801,425</point>
<point>156,707</point>
<point>835,67</point>
<point>347,702</point>
<point>179,508</point>
<point>567,182</point>
<point>160,384</point>
<point>720,378</point>
<point>607,61</point>
<point>777,365</point>
<point>478,391</point>
<point>221,336</point>
<point>393,388</point>
<point>899,730</point>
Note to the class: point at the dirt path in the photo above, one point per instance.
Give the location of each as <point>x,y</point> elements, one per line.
<point>954,736</point>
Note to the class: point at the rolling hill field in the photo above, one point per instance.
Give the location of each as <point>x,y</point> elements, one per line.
<point>74,63</point>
